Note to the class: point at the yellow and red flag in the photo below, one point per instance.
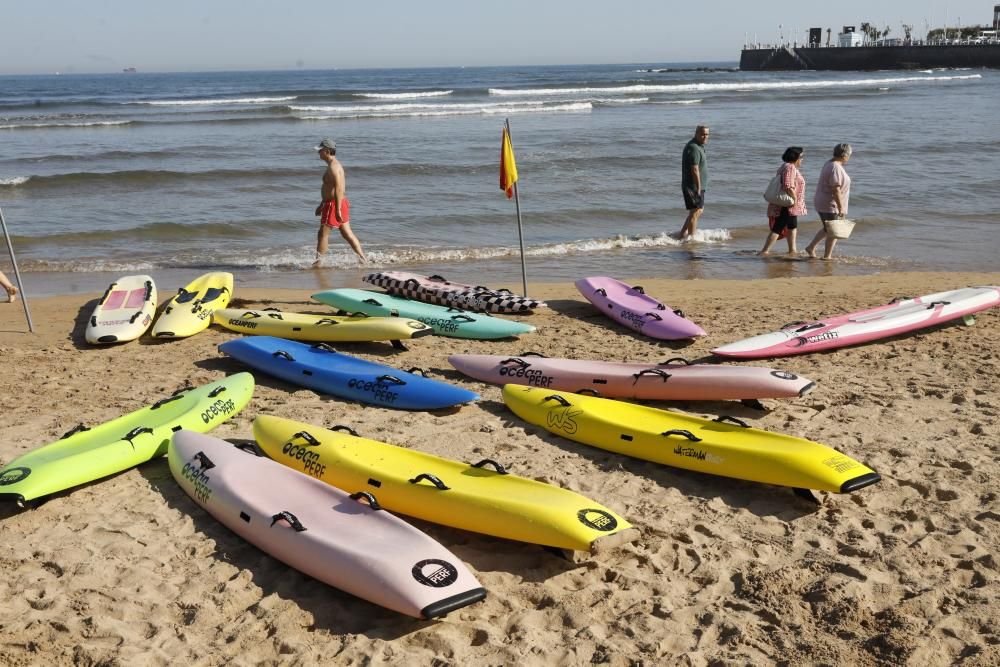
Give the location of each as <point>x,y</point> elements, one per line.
<point>508,168</point>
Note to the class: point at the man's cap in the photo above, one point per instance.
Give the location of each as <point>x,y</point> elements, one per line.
<point>328,144</point>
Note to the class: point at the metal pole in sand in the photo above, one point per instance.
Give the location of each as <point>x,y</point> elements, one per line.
<point>17,274</point>
<point>520,232</point>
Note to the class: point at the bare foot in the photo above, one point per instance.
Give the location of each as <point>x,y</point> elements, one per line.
<point>827,259</point>
<point>763,253</point>
<point>316,264</point>
<point>11,294</point>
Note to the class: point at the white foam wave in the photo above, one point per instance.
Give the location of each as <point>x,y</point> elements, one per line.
<point>93,123</point>
<point>16,180</point>
<point>413,106</point>
<point>405,96</point>
<point>678,102</point>
<point>723,87</point>
<point>210,102</point>
<point>618,100</point>
<point>301,258</point>
<point>477,110</point>
<point>406,256</point>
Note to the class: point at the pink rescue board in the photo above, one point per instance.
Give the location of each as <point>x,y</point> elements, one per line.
<point>897,317</point>
<point>631,306</point>
<point>672,380</point>
<point>343,540</point>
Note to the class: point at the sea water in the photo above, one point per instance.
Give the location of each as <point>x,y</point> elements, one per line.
<point>178,174</point>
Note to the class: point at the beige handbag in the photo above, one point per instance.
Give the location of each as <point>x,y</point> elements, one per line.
<point>839,229</point>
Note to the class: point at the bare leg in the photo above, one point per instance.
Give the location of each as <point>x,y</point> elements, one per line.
<point>691,223</point>
<point>811,248</point>
<point>322,243</point>
<point>9,286</point>
<point>792,234</point>
<point>828,249</point>
<point>771,238</point>
<point>352,240</point>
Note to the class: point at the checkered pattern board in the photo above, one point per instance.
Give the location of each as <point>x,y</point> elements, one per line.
<point>469,299</point>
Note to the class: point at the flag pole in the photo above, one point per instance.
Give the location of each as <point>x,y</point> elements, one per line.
<point>17,274</point>
<point>520,231</point>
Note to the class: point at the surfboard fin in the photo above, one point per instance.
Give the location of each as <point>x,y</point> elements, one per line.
<point>808,495</point>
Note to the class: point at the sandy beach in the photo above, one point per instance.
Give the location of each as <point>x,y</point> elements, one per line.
<point>129,571</point>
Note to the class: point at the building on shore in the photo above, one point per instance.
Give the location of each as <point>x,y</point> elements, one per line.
<point>858,50</point>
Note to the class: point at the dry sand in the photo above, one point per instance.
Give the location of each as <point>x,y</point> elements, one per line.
<point>129,571</point>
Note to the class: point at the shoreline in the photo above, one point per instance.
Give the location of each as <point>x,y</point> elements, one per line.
<point>128,569</point>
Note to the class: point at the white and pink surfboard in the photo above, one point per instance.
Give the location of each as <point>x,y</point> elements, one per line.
<point>672,380</point>
<point>346,541</point>
<point>124,312</point>
<point>631,306</point>
<point>898,317</point>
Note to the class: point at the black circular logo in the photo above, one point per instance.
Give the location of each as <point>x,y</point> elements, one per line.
<point>597,519</point>
<point>13,475</point>
<point>417,326</point>
<point>435,573</point>
<point>785,375</point>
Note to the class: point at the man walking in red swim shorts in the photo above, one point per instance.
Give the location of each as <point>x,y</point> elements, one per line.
<point>335,209</point>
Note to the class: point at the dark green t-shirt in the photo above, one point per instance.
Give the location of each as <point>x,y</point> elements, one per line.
<point>694,154</point>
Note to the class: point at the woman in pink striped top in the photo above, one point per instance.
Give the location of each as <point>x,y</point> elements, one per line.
<point>785,219</point>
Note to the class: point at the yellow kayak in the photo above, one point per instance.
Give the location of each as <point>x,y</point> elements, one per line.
<point>190,310</point>
<point>481,497</point>
<point>320,328</point>
<point>725,446</point>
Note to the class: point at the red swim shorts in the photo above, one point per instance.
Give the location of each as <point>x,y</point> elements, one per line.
<point>329,218</point>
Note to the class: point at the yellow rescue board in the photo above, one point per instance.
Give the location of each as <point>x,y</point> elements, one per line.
<point>321,328</point>
<point>190,310</point>
<point>727,447</point>
<point>480,497</point>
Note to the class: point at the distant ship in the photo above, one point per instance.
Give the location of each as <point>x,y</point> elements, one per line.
<point>855,52</point>
<point>129,70</point>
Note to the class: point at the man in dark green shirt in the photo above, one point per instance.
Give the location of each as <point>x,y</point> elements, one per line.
<point>694,178</point>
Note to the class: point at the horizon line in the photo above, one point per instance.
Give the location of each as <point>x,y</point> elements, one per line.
<point>224,70</point>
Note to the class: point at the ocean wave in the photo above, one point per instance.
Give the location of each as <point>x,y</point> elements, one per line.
<point>213,101</point>
<point>161,232</point>
<point>413,106</point>
<point>16,180</point>
<point>477,110</point>
<point>682,102</point>
<point>154,176</point>
<point>722,87</point>
<point>617,100</point>
<point>405,96</point>
<point>301,257</point>
<point>46,126</point>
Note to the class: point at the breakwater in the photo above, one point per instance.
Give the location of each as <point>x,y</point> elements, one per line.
<point>789,58</point>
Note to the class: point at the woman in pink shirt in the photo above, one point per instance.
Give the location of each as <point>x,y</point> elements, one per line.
<point>832,194</point>
<point>785,219</point>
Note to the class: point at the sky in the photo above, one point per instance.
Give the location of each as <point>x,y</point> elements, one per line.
<point>68,36</point>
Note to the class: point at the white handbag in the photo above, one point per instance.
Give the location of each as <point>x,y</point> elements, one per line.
<point>775,193</point>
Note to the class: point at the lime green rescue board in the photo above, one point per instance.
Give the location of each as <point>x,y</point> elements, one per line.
<point>86,454</point>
